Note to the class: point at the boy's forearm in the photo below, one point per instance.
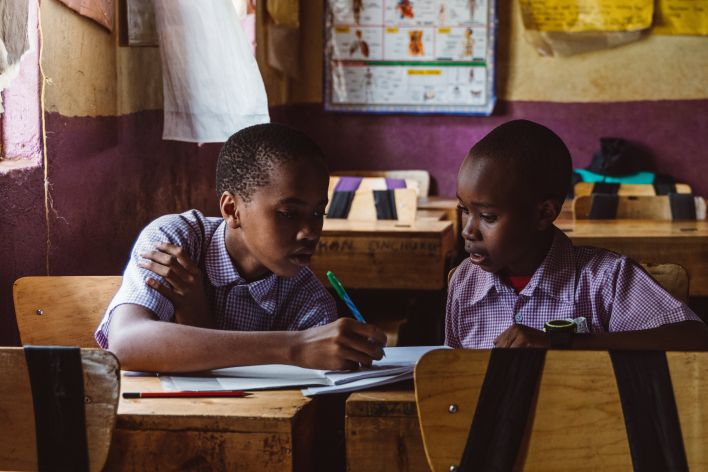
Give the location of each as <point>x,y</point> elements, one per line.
<point>682,336</point>
<point>150,345</point>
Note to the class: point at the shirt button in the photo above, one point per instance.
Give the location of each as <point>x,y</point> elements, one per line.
<point>519,317</point>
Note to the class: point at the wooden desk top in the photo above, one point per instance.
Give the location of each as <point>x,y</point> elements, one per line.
<point>679,242</point>
<point>263,411</point>
<point>437,202</point>
<point>633,228</point>
<point>426,226</point>
<point>430,215</point>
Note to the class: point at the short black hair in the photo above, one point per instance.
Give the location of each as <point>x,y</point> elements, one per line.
<point>538,156</point>
<point>248,158</point>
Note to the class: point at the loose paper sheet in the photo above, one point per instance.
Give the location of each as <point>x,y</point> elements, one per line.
<point>587,15</point>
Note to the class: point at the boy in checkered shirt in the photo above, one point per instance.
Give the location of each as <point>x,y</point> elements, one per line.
<point>522,271</point>
<point>201,292</point>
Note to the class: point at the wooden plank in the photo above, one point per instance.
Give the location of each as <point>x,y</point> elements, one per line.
<point>62,310</point>
<point>561,438</point>
<point>264,411</point>
<point>134,450</point>
<point>270,430</point>
<point>578,422</point>
<point>690,395</point>
<point>431,215</point>
<point>637,207</point>
<point>382,432</point>
<point>585,188</point>
<point>448,205</point>
<point>384,255</point>
<point>679,242</point>
<point>672,277</point>
<point>17,434</point>
<point>394,402</point>
<point>442,384</point>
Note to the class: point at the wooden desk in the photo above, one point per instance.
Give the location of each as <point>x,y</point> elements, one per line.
<point>382,431</point>
<point>273,430</point>
<point>679,242</point>
<point>446,205</point>
<point>386,255</point>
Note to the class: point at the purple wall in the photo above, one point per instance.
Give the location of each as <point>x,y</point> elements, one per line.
<point>111,175</point>
<point>674,134</point>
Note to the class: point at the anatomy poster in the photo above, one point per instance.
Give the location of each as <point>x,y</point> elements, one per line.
<point>418,56</point>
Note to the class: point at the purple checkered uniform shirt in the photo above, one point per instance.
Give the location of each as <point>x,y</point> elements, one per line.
<point>609,290</point>
<point>270,304</point>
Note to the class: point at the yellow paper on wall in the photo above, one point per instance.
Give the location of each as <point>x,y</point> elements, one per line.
<point>681,17</point>
<point>574,16</point>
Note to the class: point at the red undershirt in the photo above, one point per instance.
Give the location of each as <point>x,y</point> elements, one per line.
<point>518,282</point>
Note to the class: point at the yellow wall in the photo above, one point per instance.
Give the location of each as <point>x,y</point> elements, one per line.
<point>78,61</point>
<point>87,74</point>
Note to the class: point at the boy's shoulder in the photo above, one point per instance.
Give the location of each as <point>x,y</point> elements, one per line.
<point>564,261</point>
<point>597,261</point>
<point>184,224</point>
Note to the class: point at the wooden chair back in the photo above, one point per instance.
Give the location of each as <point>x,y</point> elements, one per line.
<point>586,188</point>
<point>576,419</point>
<point>62,310</point>
<point>672,277</point>
<point>18,439</point>
<point>637,207</point>
<point>420,177</point>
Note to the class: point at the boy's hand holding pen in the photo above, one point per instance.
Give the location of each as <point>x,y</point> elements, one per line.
<point>344,344</point>
<point>339,288</point>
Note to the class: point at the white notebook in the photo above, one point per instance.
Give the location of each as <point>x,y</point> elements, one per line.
<point>397,365</point>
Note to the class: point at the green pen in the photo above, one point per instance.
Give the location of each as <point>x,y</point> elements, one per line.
<point>339,288</point>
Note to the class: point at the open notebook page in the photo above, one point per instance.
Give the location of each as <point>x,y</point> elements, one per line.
<point>397,361</point>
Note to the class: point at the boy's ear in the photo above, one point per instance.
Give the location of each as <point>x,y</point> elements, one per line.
<point>548,211</point>
<point>230,205</point>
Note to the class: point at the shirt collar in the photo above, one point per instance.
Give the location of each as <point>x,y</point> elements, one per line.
<point>555,276</point>
<point>222,272</point>
<point>487,282</point>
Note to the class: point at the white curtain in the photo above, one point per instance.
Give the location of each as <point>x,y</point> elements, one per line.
<point>14,40</point>
<point>212,85</point>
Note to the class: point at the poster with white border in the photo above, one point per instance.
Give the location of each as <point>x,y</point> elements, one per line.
<point>410,56</point>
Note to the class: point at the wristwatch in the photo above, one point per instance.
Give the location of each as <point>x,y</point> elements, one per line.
<point>560,333</point>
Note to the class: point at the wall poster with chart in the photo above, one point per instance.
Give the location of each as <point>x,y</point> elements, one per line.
<point>415,56</point>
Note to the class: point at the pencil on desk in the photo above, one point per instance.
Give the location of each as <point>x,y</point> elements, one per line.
<point>187,394</point>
